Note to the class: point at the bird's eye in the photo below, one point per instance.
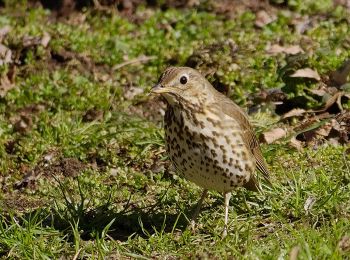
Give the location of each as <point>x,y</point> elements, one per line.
<point>183,80</point>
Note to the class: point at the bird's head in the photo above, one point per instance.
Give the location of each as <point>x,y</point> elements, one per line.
<point>183,85</point>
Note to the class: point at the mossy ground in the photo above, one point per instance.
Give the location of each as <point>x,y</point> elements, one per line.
<point>100,183</point>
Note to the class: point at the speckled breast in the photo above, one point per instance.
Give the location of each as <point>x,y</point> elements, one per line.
<point>207,149</point>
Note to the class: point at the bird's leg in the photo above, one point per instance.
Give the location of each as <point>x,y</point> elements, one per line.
<point>198,207</point>
<point>227,204</point>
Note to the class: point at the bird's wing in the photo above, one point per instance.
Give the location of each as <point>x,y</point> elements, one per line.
<point>248,136</point>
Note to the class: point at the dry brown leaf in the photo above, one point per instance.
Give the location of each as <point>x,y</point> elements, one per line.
<point>335,99</point>
<point>29,41</point>
<point>45,39</point>
<point>340,76</point>
<point>263,18</point>
<point>5,55</point>
<point>4,31</point>
<point>296,144</point>
<point>306,73</point>
<point>318,92</point>
<point>273,135</point>
<point>5,85</point>
<point>344,243</point>
<point>324,131</point>
<point>292,49</point>
<point>294,112</point>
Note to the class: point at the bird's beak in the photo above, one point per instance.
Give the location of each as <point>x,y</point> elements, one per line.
<point>158,89</point>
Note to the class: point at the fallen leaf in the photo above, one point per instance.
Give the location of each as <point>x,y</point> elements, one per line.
<point>301,23</point>
<point>263,18</point>
<point>335,99</point>
<point>339,77</point>
<point>294,112</point>
<point>292,49</point>
<point>5,85</point>
<point>318,92</point>
<point>5,55</point>
<point>306,73</point>
<point>4,31</point>
<point>344,243</point>
<point>325,130</point>
<point>296,144</point>
<point>45,39</point>
<point>273,135</point>
<point>28,41</point>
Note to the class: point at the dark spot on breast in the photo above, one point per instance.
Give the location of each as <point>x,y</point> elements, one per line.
<point>248,168</point>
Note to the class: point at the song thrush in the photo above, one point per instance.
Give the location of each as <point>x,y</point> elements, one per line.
<point>208,137</point>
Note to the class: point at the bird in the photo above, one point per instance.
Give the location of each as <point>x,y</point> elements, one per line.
<point>208,137</point>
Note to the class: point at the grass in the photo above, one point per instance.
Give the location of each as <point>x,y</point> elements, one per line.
<point>103,188</point>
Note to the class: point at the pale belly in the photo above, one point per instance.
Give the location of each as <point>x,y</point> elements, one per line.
<point>211,160</point>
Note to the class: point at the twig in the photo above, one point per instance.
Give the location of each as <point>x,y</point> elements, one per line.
<point>140,59</point>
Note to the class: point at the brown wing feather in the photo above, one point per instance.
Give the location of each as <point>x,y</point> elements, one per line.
<point>249,138</point>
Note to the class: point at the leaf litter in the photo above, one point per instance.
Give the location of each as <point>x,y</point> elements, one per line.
<point>327,124</point>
